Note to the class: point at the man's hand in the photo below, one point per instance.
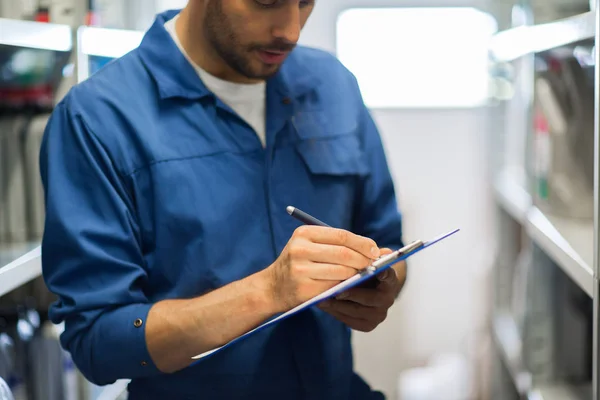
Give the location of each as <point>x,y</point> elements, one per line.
<point>363,309</point>
<point>315,259</point>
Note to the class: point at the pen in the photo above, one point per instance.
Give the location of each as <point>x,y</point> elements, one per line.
<point>308,219</point>
<point>303,217</point>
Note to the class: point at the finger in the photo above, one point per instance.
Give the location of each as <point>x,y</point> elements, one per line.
<point>303,249</point>
<point>370,283</point>
<point>401,270</point>
<point>355,310</point>
<point>334,306</point>
<point>360,325</point>
<point>387,276</point>
<point>367,297</point>
<point>393,276</point>
<point>327,272</point>
<point>332,254</point>
<point>354,323</point>
<point>340,237</point>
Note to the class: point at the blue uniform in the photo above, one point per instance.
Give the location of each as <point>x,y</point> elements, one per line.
<point>155,189</point>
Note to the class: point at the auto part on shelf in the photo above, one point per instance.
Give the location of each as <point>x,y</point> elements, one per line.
<point>563,136</point>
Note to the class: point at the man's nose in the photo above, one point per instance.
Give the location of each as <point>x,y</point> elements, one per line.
<point>288,23</point>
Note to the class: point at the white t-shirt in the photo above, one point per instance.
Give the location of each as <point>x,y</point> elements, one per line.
<point>247,100</point>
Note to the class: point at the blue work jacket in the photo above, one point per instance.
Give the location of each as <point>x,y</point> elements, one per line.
<point>155,189</point>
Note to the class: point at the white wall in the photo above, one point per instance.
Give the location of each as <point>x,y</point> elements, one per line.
<point>438,161</point>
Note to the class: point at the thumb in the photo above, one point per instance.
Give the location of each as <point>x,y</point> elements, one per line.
<point>385,251</point>
<point>386,275</point>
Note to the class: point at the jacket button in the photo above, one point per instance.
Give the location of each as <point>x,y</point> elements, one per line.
<point>286,100</point>
<point>144,363</point>
<point>138,322</point>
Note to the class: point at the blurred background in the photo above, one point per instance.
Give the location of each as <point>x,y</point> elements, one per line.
<point>488,113</point>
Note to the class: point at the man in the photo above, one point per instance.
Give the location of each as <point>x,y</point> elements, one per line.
<point>167,176</point>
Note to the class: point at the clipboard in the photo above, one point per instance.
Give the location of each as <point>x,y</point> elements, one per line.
<point>377,267</point>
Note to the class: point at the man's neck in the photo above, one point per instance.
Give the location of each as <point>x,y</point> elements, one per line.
<point>201,52</point>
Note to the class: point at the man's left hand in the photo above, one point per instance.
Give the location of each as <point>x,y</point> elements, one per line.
<point>363,309</point>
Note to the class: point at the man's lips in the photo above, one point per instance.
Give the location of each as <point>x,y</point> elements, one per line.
<point>272,56</point>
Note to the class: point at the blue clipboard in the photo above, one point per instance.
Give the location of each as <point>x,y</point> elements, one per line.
<point>377,267</point>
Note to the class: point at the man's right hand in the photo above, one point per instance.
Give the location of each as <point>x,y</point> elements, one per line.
<point>316,259</point>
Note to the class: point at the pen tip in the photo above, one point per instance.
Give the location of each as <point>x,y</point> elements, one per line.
<point>290,210</point>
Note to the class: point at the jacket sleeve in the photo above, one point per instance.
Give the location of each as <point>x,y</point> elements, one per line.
<point>91,254</point>
<point>377,215</point>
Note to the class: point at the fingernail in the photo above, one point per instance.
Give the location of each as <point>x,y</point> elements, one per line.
<point>375,252</point>
<point>342,296</point>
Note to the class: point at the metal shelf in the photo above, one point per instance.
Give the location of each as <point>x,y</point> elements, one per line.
<point>569,242</point>
<point>509,344</point>
<point>561,392</point>
<point>38,35</point>
<point>513,43</point>
<point>508,341</point>
<point>116,391</point>
<point>512,196</point>
<point>19,264</point>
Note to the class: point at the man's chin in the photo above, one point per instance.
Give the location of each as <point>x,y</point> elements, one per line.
<point>265,72</point>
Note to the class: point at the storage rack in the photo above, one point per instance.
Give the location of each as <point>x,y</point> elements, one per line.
<point>20,260</point>
<point>571,245</point>
<point>16,271</point>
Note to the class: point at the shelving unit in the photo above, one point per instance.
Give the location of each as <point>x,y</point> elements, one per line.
<point>116,391</point>
<point>512,196</point>
<point>510,348</point>
<point>518,42</point>
<point>19,264</point>
<point>561,392</point>
<point>569,243</point>
<point>572,245</point>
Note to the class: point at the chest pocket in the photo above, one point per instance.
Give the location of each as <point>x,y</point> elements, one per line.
<point>330,146</point>
<point>335,164</point>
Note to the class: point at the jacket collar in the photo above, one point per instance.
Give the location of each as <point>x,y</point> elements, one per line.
<point>175,77</point>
